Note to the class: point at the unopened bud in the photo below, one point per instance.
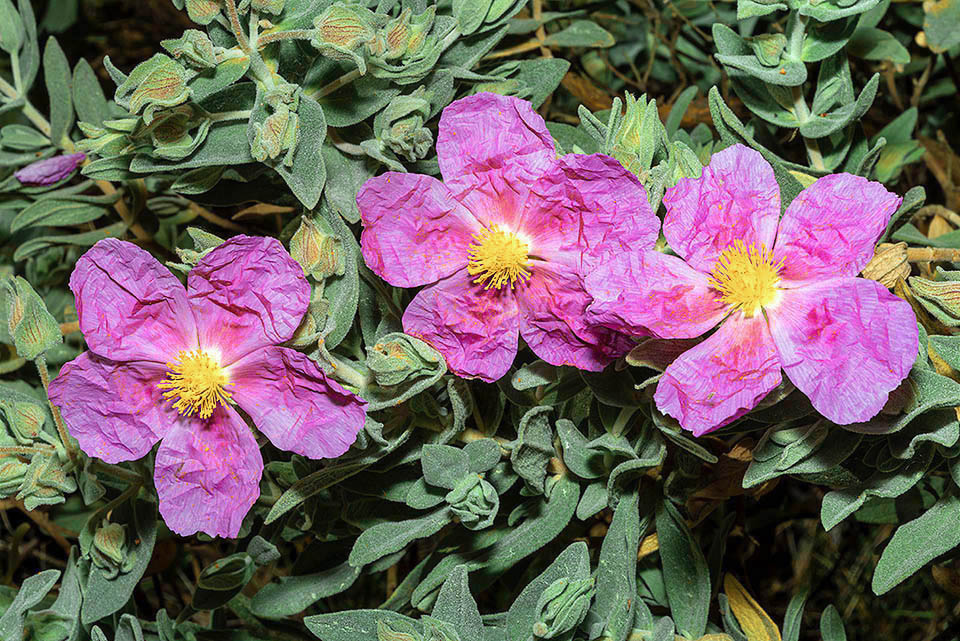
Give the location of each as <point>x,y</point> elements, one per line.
<point>562,606</point>
<point>161,81</point>
<point>203,11</point>
<point>341,31</point>
<point>400,126</point>
<point>12,473</point>
<point>110,551</point>
<point>177,132</point>
<point>31,326</point>
<point>474,501</point>
<point>195,47</point>
<point>110,539</point>
<point>278,133</point>
<point>318,250</point>
<point>404,36</point>
<point>45,482</point>
<point>49,170</point>
<point>397,358</point>
<point>638,136</point>
<point>24,419</point>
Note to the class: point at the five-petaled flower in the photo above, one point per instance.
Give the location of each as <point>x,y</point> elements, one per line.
<point>503,241</point>
<point>784,293</point>
<point>169,364</point>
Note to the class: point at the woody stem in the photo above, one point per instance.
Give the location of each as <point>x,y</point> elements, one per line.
<point>931,254</point>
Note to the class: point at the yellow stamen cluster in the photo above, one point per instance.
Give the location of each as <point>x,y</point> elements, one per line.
<point>197,382</point>
<point>498,258</point>
<point>746,277</point>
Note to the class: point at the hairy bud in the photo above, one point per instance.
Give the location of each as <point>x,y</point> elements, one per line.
<point>195,47</point>
<point>31,326</point>
<point>318,250</point>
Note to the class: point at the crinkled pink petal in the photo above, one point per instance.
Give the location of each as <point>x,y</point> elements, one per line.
<point>831,228</point>
<point>208,474</point>
<point>114,410</point>
<point>129,305</point>
<point>846,343</point>
<point>414,231</point>
<point>722,378</point>
<point>247,293</point>
<point>552,322</point>
<point>585,209</point>
<point>638,291</point>
<point>294,404</point>
<point>487,131</point>
<point>495,197</point>
<point>474,328</point>
<point>735,198</point>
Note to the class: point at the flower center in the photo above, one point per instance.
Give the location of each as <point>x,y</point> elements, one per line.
<point>498,258</point>
<point>197,381</point>
<point>746,277</point>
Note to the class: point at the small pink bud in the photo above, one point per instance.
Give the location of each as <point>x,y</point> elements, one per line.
<point>49,170</point>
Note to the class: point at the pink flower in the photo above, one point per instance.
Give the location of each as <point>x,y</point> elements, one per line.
<point>784,293</point>
<point>169,364</point>
<point>49,170</point>
<point>503,241</point>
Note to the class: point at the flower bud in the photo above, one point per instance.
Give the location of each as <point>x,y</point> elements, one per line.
<point>562,606</point>
<point>170,131</point>
<point>195,47</point>
<point>103,141</point>
<point>110,551</point>
<point>31,326</point>
<point>24,419</point>
<point>638,136</point>
<point>203,11</point>
<point>398,358</point>
<point>278,133</point>
<point>474,501</point>
<point>159,82</point>
<point>45,482</point>
<point>418,29</point>
<point>12,473</point>
<point>318,250</point>
<point>399,127</point>
<point>50,170</point>
<point>404,36</point>
<point>341,31</point>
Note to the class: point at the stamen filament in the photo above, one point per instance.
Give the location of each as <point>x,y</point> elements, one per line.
<point>746,277</point>
<point>499,257</point>
<point>197,381</point>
